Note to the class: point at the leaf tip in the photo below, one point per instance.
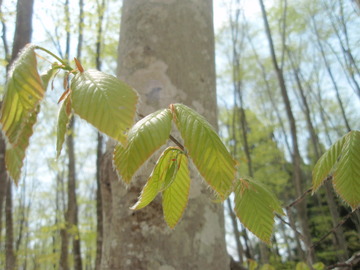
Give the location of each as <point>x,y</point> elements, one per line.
<point>78,65</point>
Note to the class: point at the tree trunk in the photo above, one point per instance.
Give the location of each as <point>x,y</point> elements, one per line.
<point>22,36</point>
<point>64,264</point>
<point>64,240</point>
<point>99,212</point>
<point>297,173</point>
<point>331,75</point>
<point>10,258</point>
<point>166,52</point>
<point>236,231</point>
<point>99,149</point>
<point>3,179</point>
<point>72,196</point>
<point>339,25</point>
<point>72,211</point>
<point>338,236</point>
<point>23,31</point>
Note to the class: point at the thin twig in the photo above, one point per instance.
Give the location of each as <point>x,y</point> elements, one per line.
<point>333,229</point>
<point>349,264</point>
<point>299,199</point>
<point>288,224</point>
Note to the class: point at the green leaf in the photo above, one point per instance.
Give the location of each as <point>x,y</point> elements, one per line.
<point>346,178</point>
<point>205,148</point>
<point>267,267</point>
<point>105,102</point>
<point>319,266</point>
<point>325,165</point>
<point>160,177</point>
<point>63,120</point>
<point>23,92</point>
<point>144,138</point>
<point>252,264</point>
<point>255,206</point>
<point>302,266</point>
<point>49,74</point>
<point>176,196</point>
<point>15,154</point>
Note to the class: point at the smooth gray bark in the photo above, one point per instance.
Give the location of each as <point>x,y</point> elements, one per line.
<point>166,52</point>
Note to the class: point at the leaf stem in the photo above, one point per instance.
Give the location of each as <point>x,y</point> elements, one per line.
<point>65,65</point>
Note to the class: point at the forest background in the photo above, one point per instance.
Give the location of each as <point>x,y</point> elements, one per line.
<point>316,45</point>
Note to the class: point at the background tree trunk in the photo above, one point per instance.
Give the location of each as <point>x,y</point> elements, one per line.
<point>23,31</point>
<point>166,52</point>
<point>22,36</point>
<point>99,148</point>
<point>10,258</point>
<point>296,158</point>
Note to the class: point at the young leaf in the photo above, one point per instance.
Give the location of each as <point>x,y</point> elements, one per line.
<point>159,178</point>
<point>176,196</point>
<point>23,92</point>
<point>318,266</point>
<point>63,120</point>
<point>252,264</point>
<point>49,74</point>
<point>144,138</point>
<point>302,266</point>
<point>105,102</point>
<point>206,150</point>
<point>15,154</point>
<point>325,165</point>
<point>267,267</point>
<point>255,207</point>
<point>346,178</point>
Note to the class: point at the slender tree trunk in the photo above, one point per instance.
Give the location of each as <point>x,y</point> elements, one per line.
<point>285,237</point>
<point>99,150</point>
<point>166,52</point>
<point>10,258</point>
<point>269,94</point>
<point>339,25</point>
<point>72,212</point>
<point>64,241</point>
<point>3,180</point>
<point>64,263</point>
<point>22,36</point>
<point>56,221</point>
<point>3,174</point>
<point>68,213</point>
<point>234,223</point>
<point>22,220</point>
<point>23,30</point>
<point>339,238</point>
<point>297,174</point>
<point>237,38</point>
<point>99,212</point>
<point>299,249</point>
<point>72,196</point>
<point>331,75</point>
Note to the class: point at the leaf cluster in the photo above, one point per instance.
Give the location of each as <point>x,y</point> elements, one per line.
<point>109,104</point>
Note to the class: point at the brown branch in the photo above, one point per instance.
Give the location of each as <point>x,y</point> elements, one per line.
<point>299,199</point>
<point>349,264</point>
<point>334,229</point>
<point>294,229</point>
